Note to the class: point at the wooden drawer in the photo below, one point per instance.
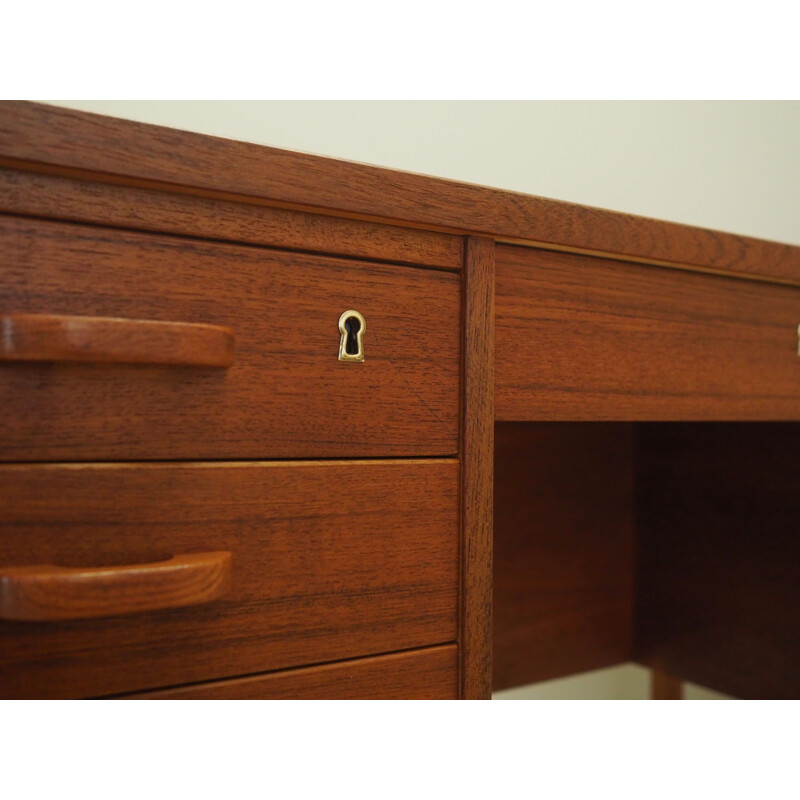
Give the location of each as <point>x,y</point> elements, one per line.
<point>430,674</point>
<point>581,338</point>
<point>329,561</point>
<point>286,393</point>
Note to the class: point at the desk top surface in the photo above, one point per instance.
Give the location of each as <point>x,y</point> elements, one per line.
<point>104,148</point>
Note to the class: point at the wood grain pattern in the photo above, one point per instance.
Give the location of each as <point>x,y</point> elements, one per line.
<point>718,556</point>
<point>54,197</point>
<point>586,339</point>
<point>286,396</point>
<point>46,592</point>
<point>477,474</point>
<point>64,338</point>
<point>56,138</point>
<point>563,550</point>
<point>665,687</point>
<point>430,674</point>
<point>331,560</point>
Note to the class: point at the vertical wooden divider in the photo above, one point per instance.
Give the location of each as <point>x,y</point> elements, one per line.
<point>477,469</point>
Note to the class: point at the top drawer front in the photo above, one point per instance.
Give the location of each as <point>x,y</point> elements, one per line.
<point>286,394</point>
<point>587,338</point>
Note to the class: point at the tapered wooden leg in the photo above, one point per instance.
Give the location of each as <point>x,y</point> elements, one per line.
<point>665,687</point>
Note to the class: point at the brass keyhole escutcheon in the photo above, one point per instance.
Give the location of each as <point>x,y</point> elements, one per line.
<point>352,327</point>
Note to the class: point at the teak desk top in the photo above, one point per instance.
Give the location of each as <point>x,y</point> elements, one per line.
<point>107,149</point>
<point>599,317</point>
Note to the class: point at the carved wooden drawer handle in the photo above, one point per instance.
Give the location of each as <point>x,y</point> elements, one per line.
<point>47,593</point>
<point>52,337</point>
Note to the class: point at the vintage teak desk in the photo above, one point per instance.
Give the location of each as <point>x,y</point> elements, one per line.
<point>256,405</point>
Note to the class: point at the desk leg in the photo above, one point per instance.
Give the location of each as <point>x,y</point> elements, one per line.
<point>665,687</point>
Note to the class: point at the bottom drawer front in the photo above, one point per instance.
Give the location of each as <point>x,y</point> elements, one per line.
<point>329,561</point>
<point>418,675</point>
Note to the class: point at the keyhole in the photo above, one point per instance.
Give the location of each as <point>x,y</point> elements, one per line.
<point>352,326</point>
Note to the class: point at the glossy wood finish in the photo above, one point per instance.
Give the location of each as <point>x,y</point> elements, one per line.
<point>331,560</point>
<point>476,459</point>
<point>112,150</point>
<point>430,674</point>
<point>47,593</point>
<point>718,556</point>
<point>287,394</point>
<point>63,338</point>
<point>338,560</point>
<point>581,338</point>
<point>58,197</point>
<point>563,550</point>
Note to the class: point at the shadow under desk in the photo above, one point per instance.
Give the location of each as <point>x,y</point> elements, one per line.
<point>674,545</point>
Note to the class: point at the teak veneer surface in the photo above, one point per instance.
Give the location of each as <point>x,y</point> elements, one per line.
<point>476,474</point>
<point>330,560</point>
<point>563,549</point>
<point>34,136</point>
<point>338,560</point>
<point>582,338</point>
<point>718,556</point>
<point>430,674</point>
<point>286,395</point>
<point>57,197</point>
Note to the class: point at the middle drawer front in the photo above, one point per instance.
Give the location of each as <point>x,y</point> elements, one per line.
<point>286,394</point>
<point>329,561</point>
<point>585,338</point>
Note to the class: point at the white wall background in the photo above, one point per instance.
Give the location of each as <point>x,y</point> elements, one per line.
<point>732,166</point>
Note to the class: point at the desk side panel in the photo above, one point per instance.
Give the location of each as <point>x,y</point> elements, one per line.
<point>563,549</point>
